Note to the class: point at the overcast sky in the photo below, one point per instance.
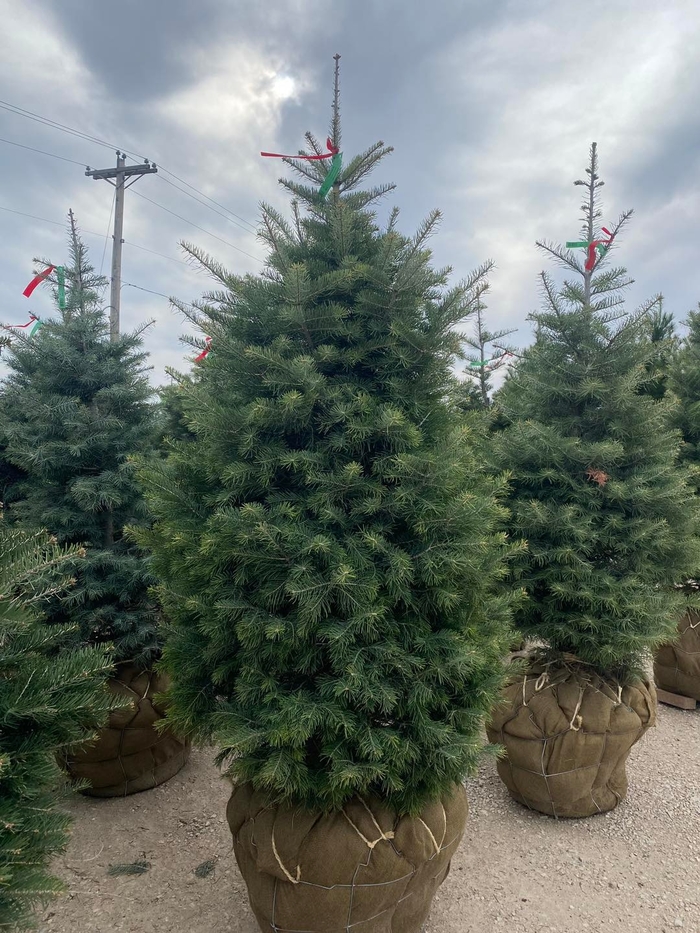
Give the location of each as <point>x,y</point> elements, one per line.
<point>491,107</point>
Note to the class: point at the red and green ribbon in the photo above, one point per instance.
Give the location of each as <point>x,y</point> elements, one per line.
<point>332,150</point>
<point>333,172</point>
<point>42,276</point>
<point>592,246</point>
<point>33,320</point>
<point>205,351</point>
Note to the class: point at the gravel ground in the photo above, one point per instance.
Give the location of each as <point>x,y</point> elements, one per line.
<point>635,870</point>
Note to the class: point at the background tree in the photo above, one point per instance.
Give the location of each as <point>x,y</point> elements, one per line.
<point>612,529</point>
<point>75,409</point>
<point>660,330</point>
<point>51,696</point>
<point>491,353</point>
<point>609,517</point>
<point>684,382</point>
<point>172,423</point>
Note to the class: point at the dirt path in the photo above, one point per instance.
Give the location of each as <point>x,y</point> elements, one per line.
<point>636,870</point>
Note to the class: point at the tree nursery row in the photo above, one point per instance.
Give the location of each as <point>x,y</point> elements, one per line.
<point>319,551</point>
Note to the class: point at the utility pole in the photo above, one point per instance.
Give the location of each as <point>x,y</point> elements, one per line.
<point>119,174</point>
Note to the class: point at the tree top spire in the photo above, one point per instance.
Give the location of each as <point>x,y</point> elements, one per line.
<point>335,123</point>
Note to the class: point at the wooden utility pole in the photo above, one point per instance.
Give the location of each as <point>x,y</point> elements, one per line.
<point>119,174</point>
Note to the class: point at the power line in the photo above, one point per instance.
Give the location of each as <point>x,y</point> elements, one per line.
<point>142,289</point>
<point>218,204</point>
<point>64,128</point>
<point>57,223</point>
<point>46,121</point>
<point>162,207</point>
<point>199,201</point>
<point>146,249</point>
<point>208,232</point>
<point>42,151</point>
<point>160,294</point>
<point>109,224</point>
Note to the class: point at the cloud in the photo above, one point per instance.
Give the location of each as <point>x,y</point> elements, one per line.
<point>490,107</point>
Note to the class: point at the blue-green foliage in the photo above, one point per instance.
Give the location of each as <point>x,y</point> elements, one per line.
<point>73,409</point>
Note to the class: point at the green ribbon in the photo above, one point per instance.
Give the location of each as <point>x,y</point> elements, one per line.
<point>35,328</point>
<point>333,172</point>
<point>477,364</point>
<point>61,275</point>
<point>583,244</point>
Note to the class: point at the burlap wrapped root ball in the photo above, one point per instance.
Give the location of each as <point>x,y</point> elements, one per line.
<point>567,735</point>
<point>677,665</point>
<point>130,754</point>
<point>359,869</point>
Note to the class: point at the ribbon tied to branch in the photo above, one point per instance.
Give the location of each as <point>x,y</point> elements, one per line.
<point>42,276</point>
<point>333,154</point>
<point>494,361</point>
<point>33,320</point>
<point>205,351</point>
<point>593,246</point>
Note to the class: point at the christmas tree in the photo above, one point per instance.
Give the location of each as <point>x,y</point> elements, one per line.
<point>660,331</point>
<point>172,423</point>
<point>683,373</point>
<point>327,540</point>
<point>50,697</point>
<point>609,518</point>
<point>611,524</point>
<point>11,479</point>
<point>75,409</point>
<point>488,353</point>
<point>677,372</point>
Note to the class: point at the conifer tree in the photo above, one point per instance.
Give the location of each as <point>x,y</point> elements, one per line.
<point>327,540</point>
<point>660,331</point>
<point>172,423</point>
<point>684,382</point>
<point>11,476</point>
<point>51,696</point>
<point>609,517</point>
<point>489,353</point>
<point>11,480</point>
<point>75,409</point>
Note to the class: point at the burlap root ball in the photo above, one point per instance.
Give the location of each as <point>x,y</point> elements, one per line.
<point>359,869</point>
<point>567,735</point>
<point>130,755</point>
<point>677,665</point>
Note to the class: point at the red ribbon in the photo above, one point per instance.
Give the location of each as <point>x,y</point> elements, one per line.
<point>204,352</point>
<point>36,281</point>
<point>32,319</point>
<point>332,150</point>
<point>593,246</point>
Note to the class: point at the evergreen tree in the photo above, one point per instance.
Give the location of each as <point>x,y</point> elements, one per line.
<point>51,696</point>
<point>660,331</point>
<point>327,540</point>
<point>684,382</point>
<point>489,354</point>
<point>172,422</point>
<point>11,477</point>
<point>610,519</point>
<point>76,408</point>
